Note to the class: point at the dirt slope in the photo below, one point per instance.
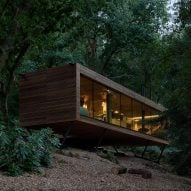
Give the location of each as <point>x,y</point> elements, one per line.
<point>87,171</point>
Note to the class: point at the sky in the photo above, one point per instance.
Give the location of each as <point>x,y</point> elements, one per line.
<point>171,11</point>
<point>171,8</point>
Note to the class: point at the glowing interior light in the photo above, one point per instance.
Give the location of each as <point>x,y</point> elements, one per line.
<point>104,106</point>
<point>85,105</point>
<point>146,117</point>
<point>108,91</point>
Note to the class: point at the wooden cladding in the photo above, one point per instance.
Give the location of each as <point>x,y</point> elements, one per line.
<point>48,96</point>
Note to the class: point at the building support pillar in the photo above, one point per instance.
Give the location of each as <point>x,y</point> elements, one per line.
<point>65,136</point>
<point>144,151</point>
<point>149,159</point>
<point>162,150</point>
<point>101,139</point>
<point>115,148</point>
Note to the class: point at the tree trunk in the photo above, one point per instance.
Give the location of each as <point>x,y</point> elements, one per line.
<point>5,88</point>
<point>4,109</point>
<point>3,104</point>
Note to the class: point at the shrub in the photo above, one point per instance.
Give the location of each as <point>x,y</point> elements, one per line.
<point>181,162</point>
<point>20,152</point>
<point>108,155</point>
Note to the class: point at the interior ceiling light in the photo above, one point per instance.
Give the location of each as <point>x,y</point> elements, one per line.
<point>145,117</point>
<point>108,91</point>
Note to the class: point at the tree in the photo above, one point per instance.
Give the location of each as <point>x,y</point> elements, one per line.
<point>177,87</point>
<point>113,37</point>
<point>22,23</point>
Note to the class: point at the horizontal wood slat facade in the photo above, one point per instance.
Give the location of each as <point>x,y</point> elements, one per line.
<point>52,98</point>
<point>48,96</point>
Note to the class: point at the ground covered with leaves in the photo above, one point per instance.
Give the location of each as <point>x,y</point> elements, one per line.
<point>74,169</point>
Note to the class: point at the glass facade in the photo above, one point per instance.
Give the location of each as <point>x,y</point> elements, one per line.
<point>115,114</point>
<point>99,102</point>
<point>126,112</point>
<point>102,103</point>
<point>137,116</point>
<point>86,98</point>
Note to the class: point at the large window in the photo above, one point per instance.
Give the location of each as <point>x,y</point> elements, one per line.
<point>154,121</point>
<point>115,110</point>
<point>102,103</point>
<point>138,116</point>
<point>86,104</point>
<point>147,119</point>
<point>151,122</point>
<point>126,112</point>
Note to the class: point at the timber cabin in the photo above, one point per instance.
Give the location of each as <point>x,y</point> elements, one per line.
<point>79,103</point>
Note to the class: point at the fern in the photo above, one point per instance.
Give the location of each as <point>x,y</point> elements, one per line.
<point>20,152</point>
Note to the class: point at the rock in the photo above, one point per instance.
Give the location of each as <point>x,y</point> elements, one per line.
<point>145,173</point>
<point>85,156</point>
<point>119,170</point>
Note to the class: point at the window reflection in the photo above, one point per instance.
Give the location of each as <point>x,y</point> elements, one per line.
<point>151,121</point>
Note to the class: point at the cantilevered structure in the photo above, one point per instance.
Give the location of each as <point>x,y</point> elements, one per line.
<point>78,102</point>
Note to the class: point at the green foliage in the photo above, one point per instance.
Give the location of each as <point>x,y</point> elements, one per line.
<point>184,12</point>
<point>183,167</point>
<point>176,87</point>
<point>108,155</point>
<point>20,152</point>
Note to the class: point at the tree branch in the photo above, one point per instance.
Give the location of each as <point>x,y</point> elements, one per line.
<point>23,50</point>
<point>5,94</point>
<point>106,58</point>
<point>120,76</point>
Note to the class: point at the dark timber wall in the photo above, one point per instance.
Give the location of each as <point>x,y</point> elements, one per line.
<point>48,96</point>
